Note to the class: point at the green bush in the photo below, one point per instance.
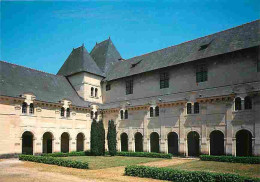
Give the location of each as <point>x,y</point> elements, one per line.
<point>54,161</point>
<point>184,176</point>
<point>94,138</point>
<point>60,154</point>
<point>232,159</point>
<point>101,137</point>
<point>145,154</point>
<point>111,138</point>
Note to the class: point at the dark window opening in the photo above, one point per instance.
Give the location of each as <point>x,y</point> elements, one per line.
<point>237,104</point>
<point>24,108</point>
<point>196,108</point>
<point>108,87</point>
<point>91,114</point>
<point>129,86</point>
<point>92,91</point>
<point>157,111</point>
<point>96,92</point>
<point>126,114</point>
<point>164,80</point>
<point>151,111</point>
<point>62,110</point>
<point>96,115</point>
<point>31,111</point>
<point>188,108</point>
<point>201,73</point>
<point>248,102</point>
<point>68,112</point>
<point>122,114</point>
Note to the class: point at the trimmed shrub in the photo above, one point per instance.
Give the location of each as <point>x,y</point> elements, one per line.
<point>111,138</point>
<point>60,154</point>
<point>54,161</point>
<point>94,138</point>
<point>184,176</point>
<point>232,159</point>
<point>145,154</point>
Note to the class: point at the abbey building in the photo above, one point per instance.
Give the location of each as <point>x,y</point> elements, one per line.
<point>198,97</point>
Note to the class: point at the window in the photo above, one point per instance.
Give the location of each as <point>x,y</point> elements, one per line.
<point>258,62</point>
<point>188,108</point>
<point>196,108</point>
<point>92,91</point>
<point>62,111</point>
<point>68,112</point>
<point>96,92</point>
<point>126,114</point>
<point>201,73</point>
<point>248,102</point>
<point>108,87</point>
<point>96,115</point>
<point>31,111</point>
<point>164,80</point>
<point>91,114</point>
<point>157,111</point>
<point>151,111</point>
<point>237,104</point>
<point>129,86</point>
<point>24,108</point>
<point>122,114</point>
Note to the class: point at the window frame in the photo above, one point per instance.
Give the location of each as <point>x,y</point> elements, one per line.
<point>164,80</point>
<point>96,92</point>
<point>121,114</point>
<point>129,86</point>
<point>238,104</point>
<point>196,108</point>
<point>151,112</point>
<point>189,108</point>
<point>201,73</point>
<point>68,112</point>
<point>24,107</point>
<point>126,114</point>
<point>157,111</point>
<point>62,111</point>
<point>31,108</point>
<point>108,87</point>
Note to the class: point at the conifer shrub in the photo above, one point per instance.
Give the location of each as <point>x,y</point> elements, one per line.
<point>94,138</point>
<point>111,138</point>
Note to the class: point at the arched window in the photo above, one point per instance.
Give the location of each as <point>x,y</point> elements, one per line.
<point>248,102</point>
<point>196,108</point>
<point>62,111</point>
<point>126,114</point>
<point>237,104</point>
<point>68,112</point>
<point>122,114</point>
<point>96,92</point>
<point>91,114</point>
<point>157,111</point>
<point>96,115</point>
<point>31,111</point>
<point>92,91</point>
<point>24,107</point>
<point>151,111</point>
<point>188,108</point>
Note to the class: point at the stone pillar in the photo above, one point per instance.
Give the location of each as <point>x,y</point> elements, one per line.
<point>57,145</point>
<point>234,152</point>
<point>73,143</point>
<point>145,144</point>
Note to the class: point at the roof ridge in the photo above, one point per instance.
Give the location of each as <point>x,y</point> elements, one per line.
<point>30,68</point>
<point>194,39</point>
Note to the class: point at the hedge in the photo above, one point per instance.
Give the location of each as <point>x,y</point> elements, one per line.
<point>54,161</point>
<point>145,154</point>
<point>232,159</point>
<point>184,176</point>
<point>60,154</point>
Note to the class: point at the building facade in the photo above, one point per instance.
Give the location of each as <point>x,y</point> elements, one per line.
<point>198,97</point>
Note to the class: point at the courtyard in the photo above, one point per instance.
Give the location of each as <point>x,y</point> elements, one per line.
<point>105,168</point>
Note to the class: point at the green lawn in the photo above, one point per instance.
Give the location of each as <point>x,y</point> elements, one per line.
<point>100,162</point>
<point>252,170</point>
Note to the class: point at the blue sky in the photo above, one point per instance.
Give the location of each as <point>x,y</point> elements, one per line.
<point>41,34</point>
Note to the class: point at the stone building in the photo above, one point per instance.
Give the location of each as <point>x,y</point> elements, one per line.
<point>201,96</point>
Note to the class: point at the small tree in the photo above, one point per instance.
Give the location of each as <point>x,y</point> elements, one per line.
<point>111,138</point>
<point>94,138</point>
<point>101,134</point>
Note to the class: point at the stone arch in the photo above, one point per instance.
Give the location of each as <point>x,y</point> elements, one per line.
<point>173,144</point>
<point>216,142</point>
<point>138,142</point>
<point>193,138</point>
<point>47,142</point>
<point>154,142</point>
<point>243,143</point>
<point>65,142</point>
<point>27,143</point>
<point>80,141</point>
<point>124,141</point>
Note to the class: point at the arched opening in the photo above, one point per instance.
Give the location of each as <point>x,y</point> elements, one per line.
<point>138,142</point>
<point>47,143</point>
<point>124,142</point>
<point>248,102</point>
<point>216,143</point>
<point>243,143</point>
<point>193,143</point>
<point>238,104</point>
<point>31,110</point>
<point>80,142</point>
<point>24,107</point>
<point>65,138</point>
<point>173,143</point>
<point>27,143</point>
<point>154,142</point>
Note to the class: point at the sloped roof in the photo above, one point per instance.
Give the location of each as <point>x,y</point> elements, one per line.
<point>237,38</point>
<point>16,80</point>
<point>79,60</point>
<point>105,55</point>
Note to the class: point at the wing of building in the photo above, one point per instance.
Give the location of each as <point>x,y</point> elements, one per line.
<point>198,97</point>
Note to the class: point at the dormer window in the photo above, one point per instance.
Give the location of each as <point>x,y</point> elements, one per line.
<point>96,92</point>
<point>68,112</point>
<point>157,111</point>
<point>31,110</point>
<point>24,108</point>
<point>126,114</point>
<point>91,114</point>
<point>189,109</point>
<point>62,111</point>
<point>122,114</point>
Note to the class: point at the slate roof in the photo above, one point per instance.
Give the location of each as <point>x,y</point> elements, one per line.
<point>79,60</point>
<point>105,55</point>
<point>16,80</point>
<point>234,39</point>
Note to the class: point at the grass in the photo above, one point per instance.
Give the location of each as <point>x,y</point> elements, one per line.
<point>101,162</point>
<point>251,170</point>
